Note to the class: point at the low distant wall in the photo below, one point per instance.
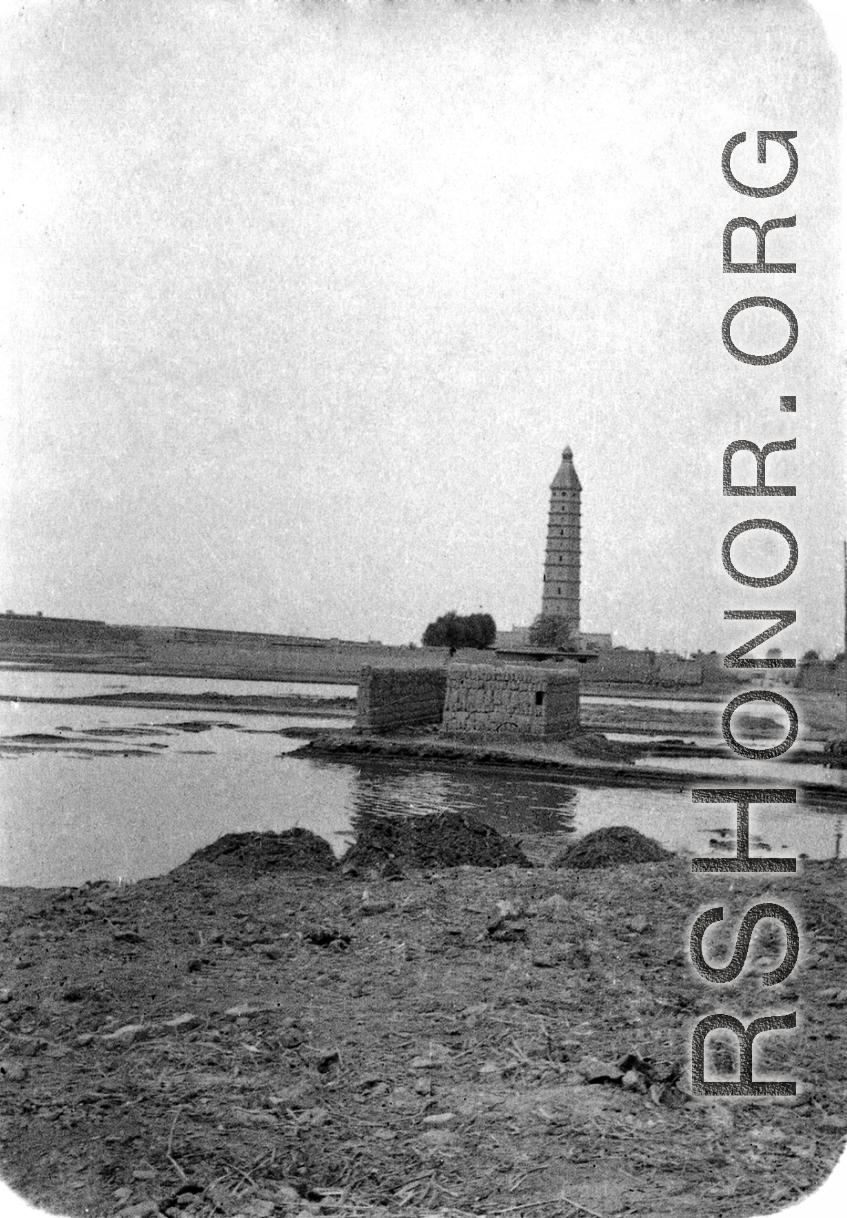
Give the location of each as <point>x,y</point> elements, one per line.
<point>706,671</point>
<point>293,662</point>
<point>822,677</point>
<point>390,698</point>
<point>19,632</point>
<point>95,647</point>
<point>526,700</point>
<point>673,670</point>
<point>629,667</point>
<point>328,662</point>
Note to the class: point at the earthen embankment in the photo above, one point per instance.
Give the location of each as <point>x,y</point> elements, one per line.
<point>465,1040</point>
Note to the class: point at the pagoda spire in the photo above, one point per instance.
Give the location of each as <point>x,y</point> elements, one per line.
<point>560,593</point>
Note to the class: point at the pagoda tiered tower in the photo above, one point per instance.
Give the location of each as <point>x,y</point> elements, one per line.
<point>560,595</point>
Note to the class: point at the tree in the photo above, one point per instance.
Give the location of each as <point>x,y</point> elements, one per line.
<point>453,630</point>
<point>810,656</point>
<point>550,631</point>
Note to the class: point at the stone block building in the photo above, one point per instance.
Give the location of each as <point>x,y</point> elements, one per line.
<point>529,701</point>
<point>390,698</point>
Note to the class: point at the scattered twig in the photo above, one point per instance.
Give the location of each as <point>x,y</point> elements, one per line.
<point>244,1173</point>
<point>513,1209</point>
<point>171,1134</point>
<point>179,1170</point>
<point>442,1189</point>
<point>584,1208</point>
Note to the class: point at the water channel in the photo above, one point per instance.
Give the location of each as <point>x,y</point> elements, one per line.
<point>110,792</point>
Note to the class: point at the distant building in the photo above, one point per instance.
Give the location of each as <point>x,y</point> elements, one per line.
<point>518,636</point>
<point>560,592</point>
<point>596,642</point>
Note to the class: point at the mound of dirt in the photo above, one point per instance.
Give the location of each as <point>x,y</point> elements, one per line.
<point>36,738</point>
<point>444,839</point>
<point>293,850</point>
<point>595,744</point>
<point>611,848</point>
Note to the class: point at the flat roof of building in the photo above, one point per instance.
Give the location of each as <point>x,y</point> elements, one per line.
<point>537,654</point>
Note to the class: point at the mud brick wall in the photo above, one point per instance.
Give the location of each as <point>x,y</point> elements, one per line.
<point>519,701</point>
<point>644,668</point>
<point>821,677</point>
<point>673,670</point>
<point>630,667</point>
<point>394,697</point>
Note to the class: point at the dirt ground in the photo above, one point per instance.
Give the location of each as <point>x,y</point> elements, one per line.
<point>242,1038</point>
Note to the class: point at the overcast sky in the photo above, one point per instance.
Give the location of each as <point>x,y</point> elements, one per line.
<point>308,300</point>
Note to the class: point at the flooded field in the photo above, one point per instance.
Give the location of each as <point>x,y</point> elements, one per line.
<point>88,792</point>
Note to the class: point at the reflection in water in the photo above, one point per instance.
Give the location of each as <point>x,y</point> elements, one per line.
<point>509,804</point>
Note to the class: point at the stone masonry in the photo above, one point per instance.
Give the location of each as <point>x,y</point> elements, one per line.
<point>526,701</point>
<point>392,697</point>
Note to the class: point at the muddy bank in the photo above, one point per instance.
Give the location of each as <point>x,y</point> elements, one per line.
<point>620,689</point>
<point>595,744</point>
<point>589,760</point>
<point>427,744</point>
<point>110,665</point>
<point>228,1040</point>
<point>822,716</point>
<point>256,704</point>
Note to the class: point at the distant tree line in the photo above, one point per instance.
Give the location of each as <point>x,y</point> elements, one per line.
<point>453,630</point>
